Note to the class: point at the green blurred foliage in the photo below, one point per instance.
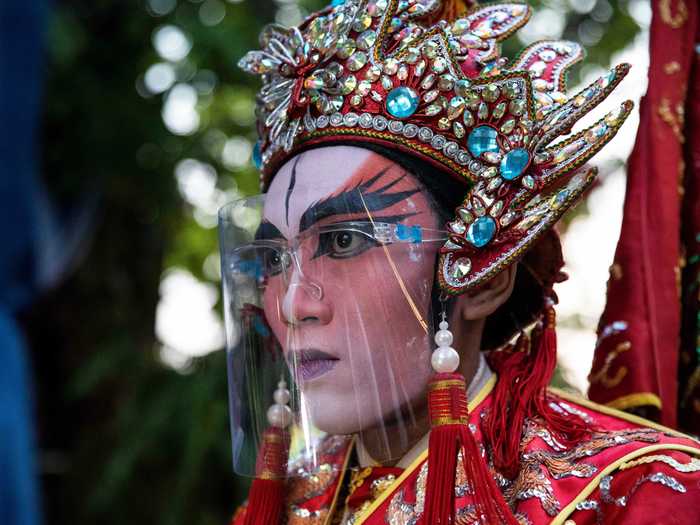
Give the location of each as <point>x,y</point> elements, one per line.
<point>125,439</point>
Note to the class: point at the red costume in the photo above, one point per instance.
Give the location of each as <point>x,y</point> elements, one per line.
<point>625,472</point>
<point>424,80</point>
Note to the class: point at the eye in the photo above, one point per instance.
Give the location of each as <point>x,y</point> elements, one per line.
<point>273,262</point>
<point>344,244</point>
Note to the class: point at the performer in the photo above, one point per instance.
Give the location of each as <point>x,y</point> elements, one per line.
<point>413,177</point>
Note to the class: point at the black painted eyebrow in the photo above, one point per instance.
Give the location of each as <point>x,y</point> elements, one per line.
<point>267,231</point>
<point>356,200</point>
<point>290,189</point>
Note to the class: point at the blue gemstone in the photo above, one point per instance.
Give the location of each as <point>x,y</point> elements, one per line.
<point>481,231</point>
<point>482,139</point>
<point>402,102</point>
<point>514,163</point>
<point>336,3</point>
<point>257,156</point>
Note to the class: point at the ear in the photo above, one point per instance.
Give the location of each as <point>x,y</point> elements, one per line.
<point>483,301</point>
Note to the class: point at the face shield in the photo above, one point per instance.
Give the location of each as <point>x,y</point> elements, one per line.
<point>329,289</point>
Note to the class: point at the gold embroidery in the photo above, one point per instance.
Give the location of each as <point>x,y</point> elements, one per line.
<point>616,271</point>
<point>677,20</point>
<point>692,466</point>
<point>674,120</point>
<point>672,67</point>
<point>603,376</point>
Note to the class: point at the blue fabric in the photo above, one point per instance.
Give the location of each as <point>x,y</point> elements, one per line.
<point>19,502</point>
<point>21,41</point>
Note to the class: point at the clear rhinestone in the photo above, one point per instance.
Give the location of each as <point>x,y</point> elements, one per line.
<point>428,81</point>
<point>451,149</point>
<point>438,142</point>
<point>391,66</point>
<point>499,110</point>
<point>462,87</point>
<point>439,65</point>
<point>372,73</point>
<point>366,40</point>
<point>491,93</point>
<point>387,83</point>
<point>345,48</point>
<point>430,96</point>
<point>410,131</point>
<point>461,268</point>
<point>350,119</point>
<point>357,61</point>
<point>458,129</point>
<point>348,84</point>
<point>433,109</point>
<point>379,123</point>
<point>395,126</point>
<point>425,134</point>
<point>366,120</point>
<point>446,82</point>
<point>363,88</point>
<point>430,49</point>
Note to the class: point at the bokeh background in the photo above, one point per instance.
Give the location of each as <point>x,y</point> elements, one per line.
<point>146,128</point>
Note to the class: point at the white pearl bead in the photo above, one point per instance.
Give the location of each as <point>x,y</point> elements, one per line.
<point>279,416</point>
<point>281,396</point>
<point>443,325</point>
<point>443,338</point>
<point>445,359</point>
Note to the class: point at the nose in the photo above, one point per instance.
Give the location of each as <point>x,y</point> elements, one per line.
<point>303,301</point>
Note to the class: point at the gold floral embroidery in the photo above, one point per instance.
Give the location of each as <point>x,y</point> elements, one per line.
<point>674,119</point>
<point>672,67</point>
<point>603,375</point>
<point>677,20</point>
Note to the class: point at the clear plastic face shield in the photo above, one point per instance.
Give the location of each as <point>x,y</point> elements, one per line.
<point>328,286</point>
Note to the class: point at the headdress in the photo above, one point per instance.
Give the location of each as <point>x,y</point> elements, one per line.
<point>426,77</point>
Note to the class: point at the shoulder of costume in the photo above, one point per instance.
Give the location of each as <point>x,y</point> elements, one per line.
<point>553,479</point>
<point>639,441</point>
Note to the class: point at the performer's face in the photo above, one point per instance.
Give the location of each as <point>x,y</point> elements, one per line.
<point>350,314</point>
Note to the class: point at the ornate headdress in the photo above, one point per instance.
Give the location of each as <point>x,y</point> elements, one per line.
<point>412,75</point>
<point>426,77</point>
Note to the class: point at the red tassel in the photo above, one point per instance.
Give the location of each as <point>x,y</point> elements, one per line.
<point>521,392</point>
<point>447,402</point>
<point>267,492</point>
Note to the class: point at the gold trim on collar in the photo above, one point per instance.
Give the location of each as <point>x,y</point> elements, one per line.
<point>473,404</point>
<point>339,484</point>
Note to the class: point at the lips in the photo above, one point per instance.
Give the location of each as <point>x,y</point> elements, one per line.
<point>310,364</point>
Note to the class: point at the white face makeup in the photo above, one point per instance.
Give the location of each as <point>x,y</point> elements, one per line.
<point>352,316</point>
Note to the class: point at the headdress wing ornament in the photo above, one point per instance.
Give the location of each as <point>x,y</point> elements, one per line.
<point>409,74</point>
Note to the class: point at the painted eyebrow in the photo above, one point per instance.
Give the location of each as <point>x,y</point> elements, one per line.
<point>356,200</point>
<point>267,231</point>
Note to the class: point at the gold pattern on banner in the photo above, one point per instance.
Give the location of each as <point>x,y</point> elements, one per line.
<point>672,67</point>
<point>603,376</point>
<point>616,271</point>
<point>669,18</point>
<point>674,119</point>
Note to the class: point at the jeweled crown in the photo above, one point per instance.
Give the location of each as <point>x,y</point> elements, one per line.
<point>426,77</point>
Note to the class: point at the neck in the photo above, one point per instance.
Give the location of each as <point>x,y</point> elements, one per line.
<point>387,443</point>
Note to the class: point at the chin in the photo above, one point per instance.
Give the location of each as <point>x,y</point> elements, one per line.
<point>338,415</point>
